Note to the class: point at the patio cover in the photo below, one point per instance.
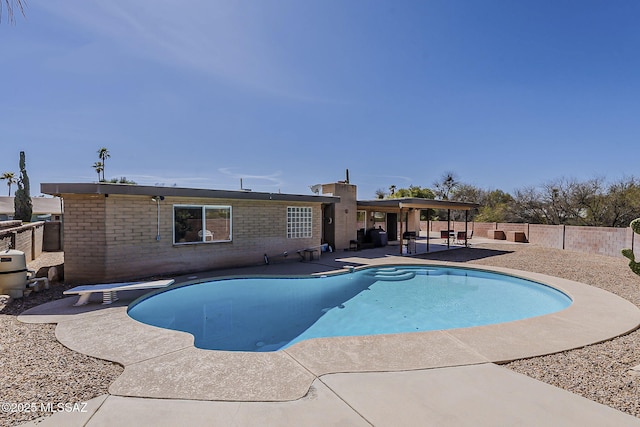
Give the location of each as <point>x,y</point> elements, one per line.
<point>400,204</point>
<point>394,205</point>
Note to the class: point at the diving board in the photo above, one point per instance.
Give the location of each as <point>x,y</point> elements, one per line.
<point>109,290</point>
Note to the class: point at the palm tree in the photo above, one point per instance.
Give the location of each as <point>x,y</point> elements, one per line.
<point>99,167</point>
<point>9,5</point>
<point>103,153</point>
<point>11,179</point>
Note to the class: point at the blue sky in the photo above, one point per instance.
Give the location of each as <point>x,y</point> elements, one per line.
<point>287,94</point>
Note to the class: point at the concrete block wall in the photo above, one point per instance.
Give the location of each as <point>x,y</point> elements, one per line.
<point>26,238</point>
<point>481,229</point>
<point>524,228</point>
<point>597,240</point>
<point>607,241</point>
<point>519,227</point>
<point>51,240</point>
<point>345,212</point>
<point>413,222</point>
<point>84,236</point>
<point>10,224</point>
<point>23,242</point>
<point>549,236</point>
<point>118,238</point>
<point>436,226</point>
<point>37,239</point>
<point>6,242</point>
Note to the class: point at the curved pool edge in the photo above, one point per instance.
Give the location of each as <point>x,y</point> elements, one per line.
<point>164,363</point>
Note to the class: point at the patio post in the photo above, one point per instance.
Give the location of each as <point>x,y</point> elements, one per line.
<point>448,226</point>
<point>401,232</point>
<point>466,222</point>
<point>428,226</point>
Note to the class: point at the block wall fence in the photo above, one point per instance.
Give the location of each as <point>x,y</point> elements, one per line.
<point>27,238</point>
<point>607,241</point>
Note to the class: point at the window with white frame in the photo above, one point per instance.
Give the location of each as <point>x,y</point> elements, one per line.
<point>299,222</point>
<point>361,220</point>
<point>201,224</point>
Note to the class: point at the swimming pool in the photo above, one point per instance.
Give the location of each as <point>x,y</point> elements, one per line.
<point>271,313</point>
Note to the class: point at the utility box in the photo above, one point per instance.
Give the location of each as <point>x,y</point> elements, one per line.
<point>13,273</point>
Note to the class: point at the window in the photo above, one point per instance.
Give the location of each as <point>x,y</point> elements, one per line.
<point>361,219</point>
<point>379,217</point>
<point>299,222</point>
<point>201,224</point>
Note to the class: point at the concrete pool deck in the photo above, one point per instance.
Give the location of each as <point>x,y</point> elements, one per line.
<point>427,378</point>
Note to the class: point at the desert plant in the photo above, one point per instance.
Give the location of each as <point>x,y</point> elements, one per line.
<point>22,202</point>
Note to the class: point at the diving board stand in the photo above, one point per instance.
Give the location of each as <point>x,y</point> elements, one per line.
<point>110,290</point>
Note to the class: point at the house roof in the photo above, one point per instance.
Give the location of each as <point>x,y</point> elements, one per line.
<point>415,203</point>
<point>41,205</point>
<point>60,189</point>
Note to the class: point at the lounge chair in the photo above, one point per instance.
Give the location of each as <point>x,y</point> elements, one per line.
<point>109,290</point>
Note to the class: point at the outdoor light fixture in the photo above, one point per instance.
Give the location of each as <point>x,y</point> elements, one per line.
<point>157,199</point>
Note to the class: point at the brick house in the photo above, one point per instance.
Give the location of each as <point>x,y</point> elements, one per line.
<point>118,232</point>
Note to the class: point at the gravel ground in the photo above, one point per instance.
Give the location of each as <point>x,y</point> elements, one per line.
<point>599,372</point>
<point>36,368</point>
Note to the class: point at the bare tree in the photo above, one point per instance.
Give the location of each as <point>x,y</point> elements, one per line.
<point>446,185</point>
<point>622,203</point>
<point>11,6</point>
<point>527,206</point>
<point>571,202</point>
<point>380,193</point>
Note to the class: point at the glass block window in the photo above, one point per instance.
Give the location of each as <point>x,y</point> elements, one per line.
<point>299,222</point>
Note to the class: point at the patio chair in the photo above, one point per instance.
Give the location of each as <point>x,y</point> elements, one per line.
<point>446,235</point>
<point>460,237</point>
<point>208,235</point>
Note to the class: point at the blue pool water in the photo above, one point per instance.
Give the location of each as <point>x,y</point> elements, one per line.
<point>268,314</point>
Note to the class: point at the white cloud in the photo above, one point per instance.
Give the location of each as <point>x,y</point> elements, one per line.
<point>254,181</point>
<point>230,40</point>
<point>389,178</point>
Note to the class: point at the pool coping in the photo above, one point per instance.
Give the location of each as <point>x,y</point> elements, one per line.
<point>160,363</point>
